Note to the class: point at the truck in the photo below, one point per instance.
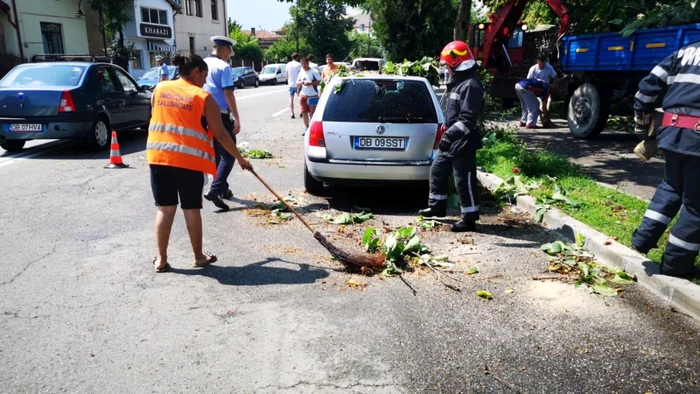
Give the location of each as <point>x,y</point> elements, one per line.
<point>599,72</point>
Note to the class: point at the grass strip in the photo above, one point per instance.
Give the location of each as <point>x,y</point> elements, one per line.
<point>607,210</point>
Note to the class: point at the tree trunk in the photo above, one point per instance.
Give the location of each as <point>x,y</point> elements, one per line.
<point>463,19</point>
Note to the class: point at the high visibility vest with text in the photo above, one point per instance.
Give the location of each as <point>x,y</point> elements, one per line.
<point>176,136</point>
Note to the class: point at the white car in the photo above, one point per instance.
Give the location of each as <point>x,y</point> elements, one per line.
<point>272,74</point>
<point>377,129</point>
<point>368,64</point>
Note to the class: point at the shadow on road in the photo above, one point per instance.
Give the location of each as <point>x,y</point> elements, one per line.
<point>258,274</point>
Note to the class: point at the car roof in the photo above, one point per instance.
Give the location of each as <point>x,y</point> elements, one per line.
<point>392,77</point>
<point>40,64</point>
<point>368,58</point>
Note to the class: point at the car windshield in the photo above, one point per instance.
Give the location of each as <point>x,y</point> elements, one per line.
<point>367,65</point>
<point>44,75</point>
<point>269,70</point>
<point>153,73</point>
<point>381,100</point>
<point>237,71</point>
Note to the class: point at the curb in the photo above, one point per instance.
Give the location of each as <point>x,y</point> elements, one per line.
<point>680,293</point>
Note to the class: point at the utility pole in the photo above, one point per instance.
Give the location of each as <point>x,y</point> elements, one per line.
<point>369,35</point>
<point>296,28</point>
<point>102,26</point>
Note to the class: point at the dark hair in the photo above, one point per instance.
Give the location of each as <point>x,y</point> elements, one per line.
<point>330,55</point>
<point>310,57</point>
<point>295,56</point>
<point>187,63</point>
<point>542,58</point>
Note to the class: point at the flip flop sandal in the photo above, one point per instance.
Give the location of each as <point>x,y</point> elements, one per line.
<point>212,259</point>
<point>166,268</point>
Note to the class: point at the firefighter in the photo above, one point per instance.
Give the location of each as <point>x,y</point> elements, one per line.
<point>673,84</point>
<point>464,101</point>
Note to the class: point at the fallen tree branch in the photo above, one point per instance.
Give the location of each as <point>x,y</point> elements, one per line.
<point>557,277</point>
<point>487,371</point>
<point>439,275</point>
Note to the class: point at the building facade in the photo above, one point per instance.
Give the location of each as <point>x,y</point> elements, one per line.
<point>32,27</point>
<point>197,22</point>
<point>363,23</point>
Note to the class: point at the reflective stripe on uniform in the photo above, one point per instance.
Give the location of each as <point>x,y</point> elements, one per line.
<point>473,209</point>
<point>469,186</point>
<point>164,146</point>
<point>454,96</point>
<point>689,78</point>
<point>644,98</point>
<point>438,197</point>
<point>653,215</point>
<point>660,72</point>
<point>461,126</point>
<point>165,128</point>
<point>672,239</point>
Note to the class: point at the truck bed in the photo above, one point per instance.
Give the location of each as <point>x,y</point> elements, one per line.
<point>612,52</point>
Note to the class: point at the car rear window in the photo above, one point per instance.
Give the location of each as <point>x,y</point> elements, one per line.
<point>49,75</point>
<point>368,100</point>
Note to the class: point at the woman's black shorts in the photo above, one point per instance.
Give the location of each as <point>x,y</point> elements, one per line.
<point>168,182</point>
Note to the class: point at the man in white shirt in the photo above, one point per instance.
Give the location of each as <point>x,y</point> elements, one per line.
<point>293,69</point>
<point>307,87</point>
<point>312,62</point>
<point>544,72</point>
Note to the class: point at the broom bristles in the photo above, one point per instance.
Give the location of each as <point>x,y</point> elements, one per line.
<point>351,260</point>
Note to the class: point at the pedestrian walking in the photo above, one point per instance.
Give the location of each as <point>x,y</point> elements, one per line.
<point>673,84</point>
<point>461,140</point>
<point>307,87</point>
<point>293,69</point>
<point>163,74</point>
<point>180,153</point>
<point>544,72</point>
<point>529,91</point>
<point>220,85</point>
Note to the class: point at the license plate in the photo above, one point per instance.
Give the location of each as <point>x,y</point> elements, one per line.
<point>25,127</point>
<point>379,143</point>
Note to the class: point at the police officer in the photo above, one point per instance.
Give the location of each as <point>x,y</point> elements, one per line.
<point>220,85</point>
<point>673,84</point>
<point>459,143</point>
<point>162,69</point>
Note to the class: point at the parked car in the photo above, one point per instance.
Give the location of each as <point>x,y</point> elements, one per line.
<point>368,64</point>
<point>272,74</point>
<point>245,76</point>
<point>377,129</point>
<point>150,78</point>
<point>69,100</point>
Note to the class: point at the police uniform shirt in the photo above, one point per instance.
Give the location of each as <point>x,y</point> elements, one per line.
<point>219,79</point>
<point>163,70</point>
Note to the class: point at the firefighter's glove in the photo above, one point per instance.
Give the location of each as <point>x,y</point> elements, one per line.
<point>445,143</point>
<point>641,125</point>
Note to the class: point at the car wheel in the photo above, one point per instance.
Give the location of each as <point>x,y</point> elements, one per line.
<point>274,81</point>
<point>12,145</point>
<point>100,136</point>
<point>242,84</point>
<point>312,185</point>
<point>257,83</point>
<point>588,111</point>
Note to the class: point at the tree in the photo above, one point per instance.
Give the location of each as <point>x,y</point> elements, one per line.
<point>464,8</point>
<point>323,25</point>
<point>116,14</point>
<point>364,45</point>
<point>281,51</point>
<point>247,46</point>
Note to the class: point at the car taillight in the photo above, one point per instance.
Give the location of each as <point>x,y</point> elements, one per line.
<point>316,135</point>
<point>67,104</point>
<point>441,129</point>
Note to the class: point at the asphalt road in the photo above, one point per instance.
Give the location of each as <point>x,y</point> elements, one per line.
<point>81,310</point>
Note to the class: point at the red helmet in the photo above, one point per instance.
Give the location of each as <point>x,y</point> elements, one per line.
<point>457,55</point>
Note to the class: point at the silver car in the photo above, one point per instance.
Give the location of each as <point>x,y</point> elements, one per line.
<point>377,129</point>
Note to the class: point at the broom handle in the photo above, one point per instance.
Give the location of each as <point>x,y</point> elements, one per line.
<point>283,202</point>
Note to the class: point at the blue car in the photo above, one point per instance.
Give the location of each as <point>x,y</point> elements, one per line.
<point>150,78</point>
<point>69,100</point>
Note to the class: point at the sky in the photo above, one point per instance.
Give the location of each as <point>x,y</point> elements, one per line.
<point>266,14</point>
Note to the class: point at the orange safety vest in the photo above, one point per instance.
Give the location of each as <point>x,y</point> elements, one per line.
<point>176,136</point>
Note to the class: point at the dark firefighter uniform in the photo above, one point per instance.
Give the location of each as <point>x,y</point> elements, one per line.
<point>462,103</point>
<point>675,84</point>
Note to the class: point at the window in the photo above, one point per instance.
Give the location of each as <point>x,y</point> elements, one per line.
<point>106,79</point>
<point>188,7</point>
<point>362,27</point>
<point>516,40</point>
<point>156,17</point>
<point>198,8</point>
<point>45,74</point>
<point>395,101</point>
<point>126,82</point>
<point>214,10</point>
<point>52,37</point>
<point>192,48</point>
<point>136,63</point>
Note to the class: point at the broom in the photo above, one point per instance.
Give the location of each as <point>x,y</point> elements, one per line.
<point>349,259</point>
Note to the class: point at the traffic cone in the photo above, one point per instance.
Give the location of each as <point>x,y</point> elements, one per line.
<point>115,157</point>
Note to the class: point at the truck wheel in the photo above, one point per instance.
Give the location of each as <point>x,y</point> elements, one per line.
<point>311,184</point>
<point>12,145</point>
<point>588,111</point>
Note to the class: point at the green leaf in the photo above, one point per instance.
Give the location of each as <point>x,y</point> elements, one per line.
<point>585,269</point>
<point>405,232</point>
<point>604,290</point>
<point>539,214</point>
<point>472,271</point>
<point>348,218</point>
<point>485,294</point>
<point>422,223</point>
<point>259,154</point>
<point>553,249</point>
<point>285,216</point>
<point>370,240</point>
<point>620,279</point>
<point>580,240</point>
<point>413,245</point>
